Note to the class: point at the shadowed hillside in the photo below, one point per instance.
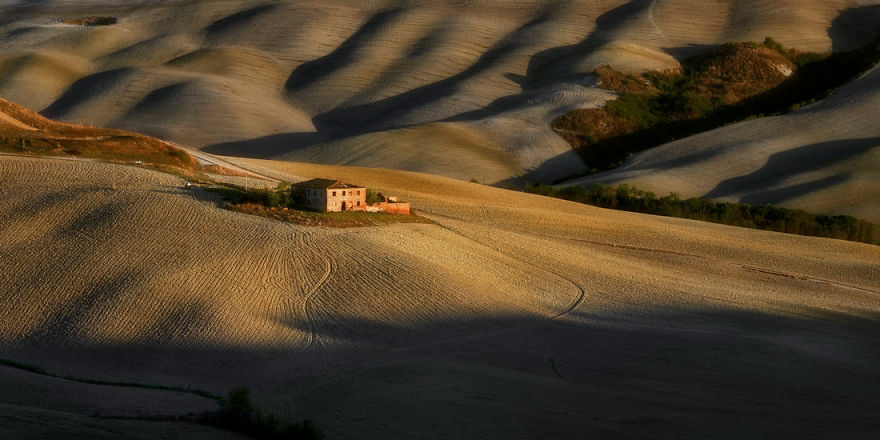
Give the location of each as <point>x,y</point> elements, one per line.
<point>340,81</point>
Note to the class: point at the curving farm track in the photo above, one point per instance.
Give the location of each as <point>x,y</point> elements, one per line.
<point>122,274</point>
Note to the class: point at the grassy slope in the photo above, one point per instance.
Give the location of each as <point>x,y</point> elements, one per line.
<point>730,83</point>
<point>26,132</point>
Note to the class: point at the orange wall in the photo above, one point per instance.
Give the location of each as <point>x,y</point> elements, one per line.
<point>394,208</point>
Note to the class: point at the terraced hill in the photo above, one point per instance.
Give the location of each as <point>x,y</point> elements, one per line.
<point>512,316</point>
<point>364,83</point>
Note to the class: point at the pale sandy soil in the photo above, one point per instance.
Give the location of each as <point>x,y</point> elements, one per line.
<point>365,82</point>
<point>513,316</point>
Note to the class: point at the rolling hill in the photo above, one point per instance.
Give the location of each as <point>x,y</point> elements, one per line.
<point>314,80</point>
<point>511,316</point>
<point>25,132</point>
<point>505,315</point>
<point>824,157</point>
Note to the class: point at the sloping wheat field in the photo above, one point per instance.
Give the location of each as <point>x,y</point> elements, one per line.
<point>129,300</point>
<point>510,316</point>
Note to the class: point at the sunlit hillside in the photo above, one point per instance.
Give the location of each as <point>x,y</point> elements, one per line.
<point>508,303</point>
<point>137,303</point>
<point>364,83</point>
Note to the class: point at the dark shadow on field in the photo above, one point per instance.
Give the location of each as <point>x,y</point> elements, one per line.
<point>237,19</point>
<point>549,171</point>
<point>85,89</point>
<point>688,51</point>
<point>380,115</point>
<point>18,32</point>
<point>854,28</point>
<point>780,195</point>
<point>344,54</point>
<point>781,166</point>
<point>644,372</point>
<point>267,146</point>
<point>558,64</point>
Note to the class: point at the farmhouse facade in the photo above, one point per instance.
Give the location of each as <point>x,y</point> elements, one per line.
<point>328,195</point>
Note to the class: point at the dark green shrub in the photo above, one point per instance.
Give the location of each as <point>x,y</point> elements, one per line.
<point>804,59</point>
<point>766,217</point>
<point>237,413</point>
<point>373,196</point>
<point>773,44</point>
<point>641,109</point>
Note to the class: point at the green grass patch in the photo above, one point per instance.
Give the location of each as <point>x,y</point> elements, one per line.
<point>765,217</point>
<point>111,148</point>
<point>280,205</point>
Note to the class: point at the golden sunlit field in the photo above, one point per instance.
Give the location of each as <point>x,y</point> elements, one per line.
<point>512,316</point>
<point>131,300</point>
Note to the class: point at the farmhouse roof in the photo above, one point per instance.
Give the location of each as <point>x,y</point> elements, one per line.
<point>326,184</point>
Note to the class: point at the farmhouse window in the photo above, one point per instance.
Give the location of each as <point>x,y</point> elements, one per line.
<point>334,193</point>
<point>359,192</point>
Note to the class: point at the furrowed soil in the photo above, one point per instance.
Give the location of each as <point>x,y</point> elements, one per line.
<point>612,323</point>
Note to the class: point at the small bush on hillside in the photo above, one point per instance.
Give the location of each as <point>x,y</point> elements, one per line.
<point>238,414</point>
<point>804,59</point>
<point>372,196</point>
<point>92,21</point>
<point>773,44</point>
<point>644,110</point>
<point>280,197</point>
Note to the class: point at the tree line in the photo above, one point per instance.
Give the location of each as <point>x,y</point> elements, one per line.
<point>765,216</point>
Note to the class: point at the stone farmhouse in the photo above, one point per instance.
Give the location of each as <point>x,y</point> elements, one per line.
<point>331,195</point>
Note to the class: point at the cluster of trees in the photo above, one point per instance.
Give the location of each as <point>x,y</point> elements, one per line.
<point>279,197</point>
<point>766,217</point>
<point>670,106</point>
<point>238,414</point>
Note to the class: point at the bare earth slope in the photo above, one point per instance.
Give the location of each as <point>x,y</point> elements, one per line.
<point>513,316</point>
<point>326,80</point>
<point>824,157</point>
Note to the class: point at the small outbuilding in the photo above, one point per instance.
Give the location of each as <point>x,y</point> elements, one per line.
<point>328,195</point>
